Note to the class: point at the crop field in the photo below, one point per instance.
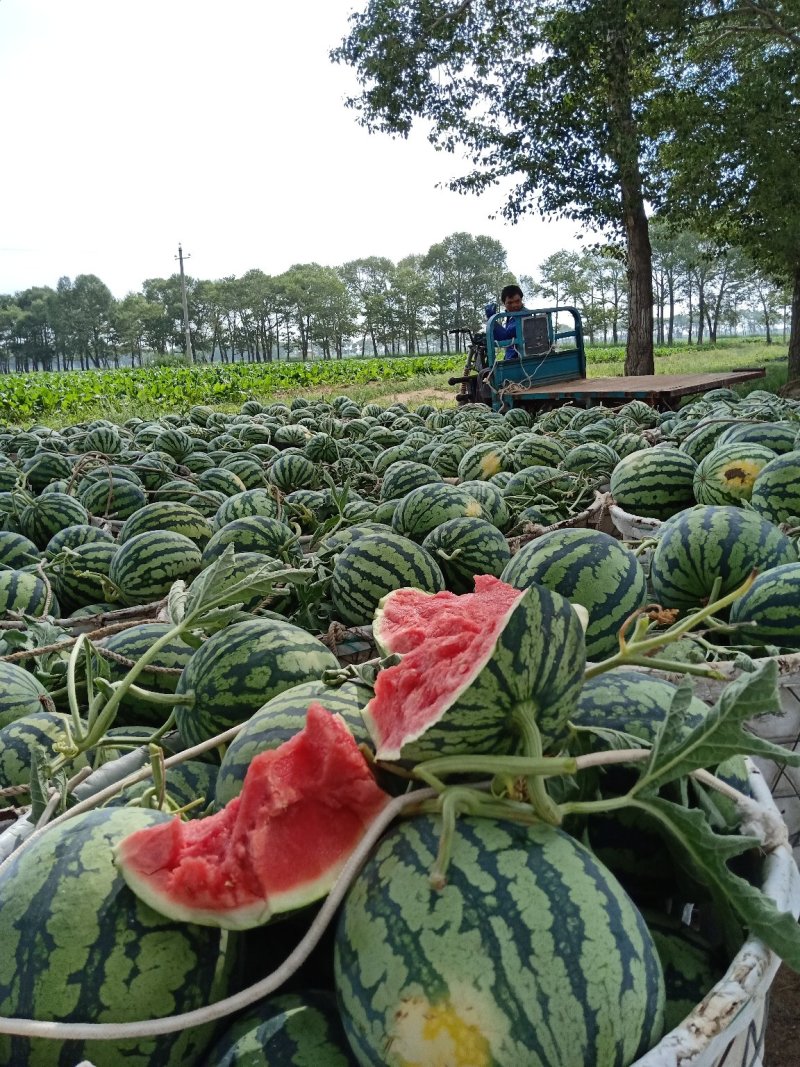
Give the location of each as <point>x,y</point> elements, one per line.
<point>57,398</point>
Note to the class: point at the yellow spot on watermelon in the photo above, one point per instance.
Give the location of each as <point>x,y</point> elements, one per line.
<point>437,1035</point>
<point>474,510</point>
<point>744,473</point>
<point>489,465</point>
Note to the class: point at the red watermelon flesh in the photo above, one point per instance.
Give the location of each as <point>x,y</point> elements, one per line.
<point>278,846</point>
<point>445,640</point>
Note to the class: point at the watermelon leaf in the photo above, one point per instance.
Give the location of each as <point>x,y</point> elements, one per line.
<point>707,854</point>
<point>720,735</point>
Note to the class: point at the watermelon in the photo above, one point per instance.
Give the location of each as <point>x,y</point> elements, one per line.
<point>17,552</point>
<point>280,719</point>
<point>771,609</point>
<point>532,954</point>
<point>293,1030</point>
<point>131,644</point>
<point>78,945</point>
<point>465,547</point>
<point>255,533</point>
<point>114,498</point>
<point>472,667</point>
<point>657,482</point>
<point>482,461</point>
<point>241,667</point>
<point>779,436</point>
<point>590,568</point>
<point>145,567</point>
<point>374,565</point>
<point>73,536</point>
<point>48,514</point>
<point>776,489</point>
<point>171,515</point>
<point>491,500</point>
<point>41,730</point>
<point>276,847</point>
<point>26,593</point>
<point>221,480</point>
<point>402,476</point>
<point>707,541</point>
<point>726,475</point>
<point>691,965</point>
<point>430,505</point>
<point>288,472</point>
<point>82,576</point>
<point>251,502</point>
<point>536,450</point>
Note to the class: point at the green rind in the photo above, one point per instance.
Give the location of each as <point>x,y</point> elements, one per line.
<point>294,1030</point>
<point>776,490</point>
<point>771,608</point>
<point>430,505</point>
<point>79,946</point>
<point>656,482</point>
<point>707,541</point>
<point>589,568</point>
<point>280,719</point>
<point>145,567</point>
<point>373,566</point>
<point>559,970</point>
<point>465,547</point>
<point>171,515</point>
<point>240,668</point>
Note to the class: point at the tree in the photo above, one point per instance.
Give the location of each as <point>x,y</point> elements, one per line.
<point>730,144</point>
<point>548,93</point>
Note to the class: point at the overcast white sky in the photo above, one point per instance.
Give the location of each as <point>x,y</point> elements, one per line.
<point>131,125</point>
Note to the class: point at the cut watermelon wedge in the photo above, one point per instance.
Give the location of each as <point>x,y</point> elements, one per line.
<point>276,847</point>
<point>471,666</point>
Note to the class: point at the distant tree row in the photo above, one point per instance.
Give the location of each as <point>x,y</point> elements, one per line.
<point>373,305</point>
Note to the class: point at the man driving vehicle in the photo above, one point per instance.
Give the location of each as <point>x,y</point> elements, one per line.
<point>505,334</point>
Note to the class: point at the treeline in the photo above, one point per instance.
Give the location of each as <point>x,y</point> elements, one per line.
<point>375,306</point>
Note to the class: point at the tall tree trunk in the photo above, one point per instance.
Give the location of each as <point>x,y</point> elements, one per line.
<point>794,329</point>
<point>639,349</point>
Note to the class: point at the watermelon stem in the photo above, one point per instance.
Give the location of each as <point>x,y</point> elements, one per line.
<point>524,719</point>
<point>636,650</point>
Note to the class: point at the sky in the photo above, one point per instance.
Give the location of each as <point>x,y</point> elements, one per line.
<point>130,126</point>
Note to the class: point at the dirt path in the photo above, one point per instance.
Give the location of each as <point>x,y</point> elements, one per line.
<point>783,1028</point>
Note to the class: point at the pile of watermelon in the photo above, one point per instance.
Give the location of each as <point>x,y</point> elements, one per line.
<point>418,530</point>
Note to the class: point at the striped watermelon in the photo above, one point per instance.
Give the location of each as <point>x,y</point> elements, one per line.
<point>224,481</point>
<point>21,693</point>
<point>491,499</point>
<point>171,515</point>
<point>474,669</point>
<point>131,644</point>
<point>771,608</point>
<point>776,489</point>
<point>280,719</point>
<point>726,475</point>
<point>113,498</point>
<point>690,964</point>
<point>288,472</point>
<point>590,568</point>
<point>72,536</point>
<point>430,505</point>
<point>482,461</point>
<point>26,593</point>
<point>40,730</point>
<point>145,567</point>
<point>707,541</point>
<point>255,533</point>
<point>594,458</point>
<point>465,547</point>
<point>251,502</point>
<point>293,1030</point>
<point>536,450</point>
<point>779,436</point>
<point>43,468</point>
<point>374,565</point>
<point>17,551</point>
<point>91,950</point>
<point>241,667</point>
<point>532,954</point>
<point>81,578</point>
<point>657,482</point>
<point>48,514</point>
<point>175,442</point>
<point>401,477</point>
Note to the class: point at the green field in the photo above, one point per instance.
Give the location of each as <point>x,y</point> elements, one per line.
<point>59,398</point>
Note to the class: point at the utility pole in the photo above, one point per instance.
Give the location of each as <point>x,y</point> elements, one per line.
<point>189,353</point>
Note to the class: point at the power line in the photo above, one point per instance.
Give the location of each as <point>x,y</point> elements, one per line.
<point>184,301</point>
